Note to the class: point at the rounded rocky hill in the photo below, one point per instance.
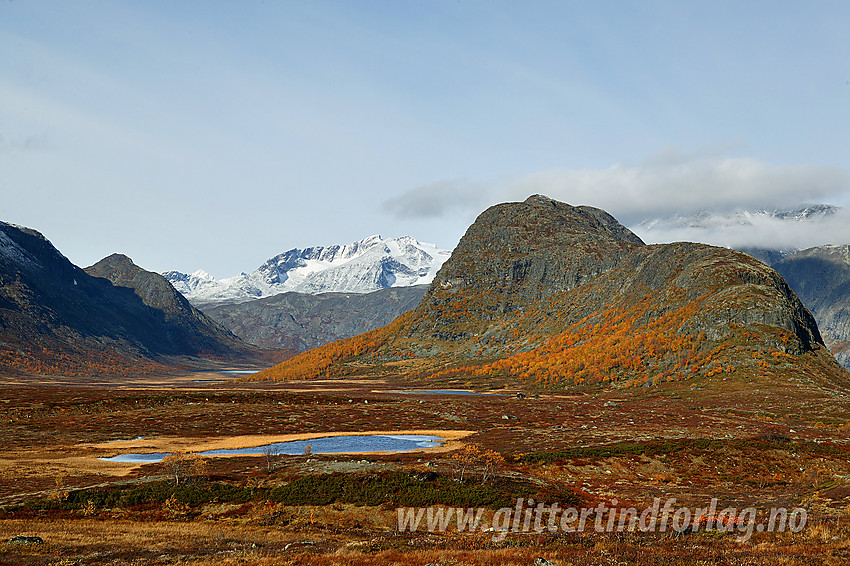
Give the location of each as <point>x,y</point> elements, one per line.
<point>563,294</point>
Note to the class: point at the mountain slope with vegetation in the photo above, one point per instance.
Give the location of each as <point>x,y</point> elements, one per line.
<point>186,329</point>
<point>57,319</point>
<point>541,292</point>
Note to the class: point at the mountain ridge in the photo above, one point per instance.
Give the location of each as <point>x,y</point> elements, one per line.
<point>301,321</point>
<point>56,319</point>
<point>186,327</point>
<point>567,296</point>
<point>363,266</point>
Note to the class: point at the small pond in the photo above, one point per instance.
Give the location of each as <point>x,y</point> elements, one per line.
<point>324,445</point>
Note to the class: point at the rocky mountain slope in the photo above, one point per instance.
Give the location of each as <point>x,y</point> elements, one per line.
<point>821,277</point>
<point>186,329</point>
<point>56,318</point>
<point>300,321</point>
<point>548,293</point>
<point>362,267</point>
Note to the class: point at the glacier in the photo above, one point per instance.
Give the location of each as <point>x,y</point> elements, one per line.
<point>367,265</point>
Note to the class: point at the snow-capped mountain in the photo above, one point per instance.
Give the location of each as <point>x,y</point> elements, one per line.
<point>707,219</point>
<point>368,265</point>
<point>785,229</point>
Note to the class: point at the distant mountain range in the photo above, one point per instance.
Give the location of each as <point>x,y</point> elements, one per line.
<point>821,278</point>
<point>708,219</point>
<point>300,321</point>
<point>364,266</point>
<point>541,292</point>
<point>111,318</point>
<point>524,274</point>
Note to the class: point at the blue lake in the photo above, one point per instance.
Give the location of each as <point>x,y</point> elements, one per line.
<point>324,445</point>
<point>239,371</point>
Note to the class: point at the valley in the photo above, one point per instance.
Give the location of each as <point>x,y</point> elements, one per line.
<point>785,449</point>
<point>443,283</point>
<point>555,360</point>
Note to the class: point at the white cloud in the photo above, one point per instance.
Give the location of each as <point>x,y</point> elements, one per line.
<point>437,199</point>
<point>663,187</point>
<point>747,229</point>
<point>669,187</point>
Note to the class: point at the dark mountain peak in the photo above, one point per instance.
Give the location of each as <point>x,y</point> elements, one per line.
<point>544,216</point>
<point>26,250</point>
<point>23,229</point>
<point>189,327</point>
<point>115,260</point>
<point>541,201</point>
<point>522,251</point>
<point>111,318</point>
<point>154,289</point>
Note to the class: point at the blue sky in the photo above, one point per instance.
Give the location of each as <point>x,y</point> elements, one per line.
<point>216,134</point>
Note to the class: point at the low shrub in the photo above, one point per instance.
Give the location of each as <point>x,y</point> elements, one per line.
<point>409,490</point>
<point>193,495</point>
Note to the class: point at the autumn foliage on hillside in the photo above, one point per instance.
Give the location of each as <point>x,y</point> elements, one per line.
<point>322,361</point>
<point>539,293</point>
<point>88,363</point>
<point>616,346</point>
<point>627,345</point>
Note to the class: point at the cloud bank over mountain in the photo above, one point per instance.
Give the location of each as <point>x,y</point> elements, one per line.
<point>783,229</point>
<point>635,193</point>
<point>734,199</point>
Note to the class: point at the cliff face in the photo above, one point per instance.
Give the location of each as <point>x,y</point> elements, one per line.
<point>577,261</point>
<point>821,277</point>
<point>517,253</point>
<point>546,291</point>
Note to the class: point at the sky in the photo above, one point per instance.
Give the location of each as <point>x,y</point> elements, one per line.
<point>215,135</point>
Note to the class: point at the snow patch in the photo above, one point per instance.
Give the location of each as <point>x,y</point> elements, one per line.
<point>364,266</point>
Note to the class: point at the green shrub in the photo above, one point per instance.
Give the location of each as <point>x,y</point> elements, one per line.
<point>192,495</point>
<point>404,489</point>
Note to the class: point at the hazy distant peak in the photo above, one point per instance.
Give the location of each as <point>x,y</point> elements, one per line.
<point>707,218</point>
<point>787,229</point>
